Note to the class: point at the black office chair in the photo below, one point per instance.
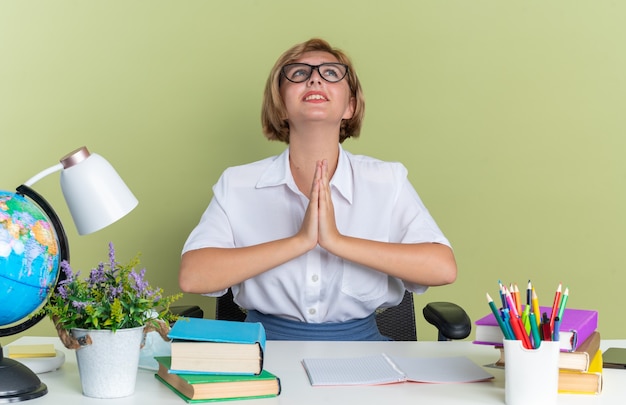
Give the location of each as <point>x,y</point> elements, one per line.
<point>397,323</point>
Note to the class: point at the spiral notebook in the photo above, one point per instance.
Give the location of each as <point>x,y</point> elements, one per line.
<point>384,369</point>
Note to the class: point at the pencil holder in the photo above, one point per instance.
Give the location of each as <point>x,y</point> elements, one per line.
<point>531,376</point>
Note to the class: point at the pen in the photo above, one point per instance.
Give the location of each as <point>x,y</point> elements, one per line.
<point>526,318</point>
<point>534,329</point>
<point>506,317</point>
<point>501,287</point>
<point>555,331</point>
<point>498,316</point>
<point>555,307</point>
<point>546,332</point>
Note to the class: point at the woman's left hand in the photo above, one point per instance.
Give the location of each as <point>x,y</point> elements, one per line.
<point>327,225</point>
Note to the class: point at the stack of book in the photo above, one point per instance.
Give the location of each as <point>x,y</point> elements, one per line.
<point>217,360</point>
<point>580,359</point>
<point>586,379</point>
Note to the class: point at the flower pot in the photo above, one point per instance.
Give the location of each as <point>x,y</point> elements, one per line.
<point>108,367</point>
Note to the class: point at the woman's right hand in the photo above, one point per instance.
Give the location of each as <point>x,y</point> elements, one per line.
<point>309,230</point>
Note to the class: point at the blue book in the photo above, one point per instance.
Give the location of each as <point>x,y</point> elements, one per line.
<point>209,346</point>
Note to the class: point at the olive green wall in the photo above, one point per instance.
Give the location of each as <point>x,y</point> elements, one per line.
<point>510,116</point>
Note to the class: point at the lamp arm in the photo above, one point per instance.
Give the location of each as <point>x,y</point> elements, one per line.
<point>41,175</point>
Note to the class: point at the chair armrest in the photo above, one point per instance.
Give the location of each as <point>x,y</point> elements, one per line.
<point>450,319</point>
<point>188,311</point>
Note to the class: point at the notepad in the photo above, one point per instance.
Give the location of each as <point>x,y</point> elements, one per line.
<point>29,351</point>
<point>614,357</point>
<point>385,369</point>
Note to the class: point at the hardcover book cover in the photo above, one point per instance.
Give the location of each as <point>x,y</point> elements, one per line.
<point>209,346</point>
<point>207,388</point>
<point>213,330</point>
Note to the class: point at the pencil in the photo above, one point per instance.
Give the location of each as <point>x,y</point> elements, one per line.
<point>563,303</point>
<point>498,316</point>
<point>517,299</point>
<point>536,310</point>
<point>520,333</point>
<point>555,307</point>
<point>511,303</point>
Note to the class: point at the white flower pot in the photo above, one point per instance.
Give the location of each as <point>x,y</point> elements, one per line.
<point>108,367</point>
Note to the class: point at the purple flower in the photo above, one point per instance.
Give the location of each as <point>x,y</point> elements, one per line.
<point>69,275</point>
<point>79,304</point>
<point>62,290</point>
<point>139,284</point>
<point>112,261</point>
<point>97,275</point>
<point>65,286</point>
<point>115,292</point>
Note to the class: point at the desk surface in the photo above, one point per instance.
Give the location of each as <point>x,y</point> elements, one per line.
<point>284,359</point>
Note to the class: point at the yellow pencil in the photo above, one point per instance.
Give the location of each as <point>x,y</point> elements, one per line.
<point>536,310</point>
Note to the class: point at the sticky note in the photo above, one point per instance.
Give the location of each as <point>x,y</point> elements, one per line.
<point>24,351</point>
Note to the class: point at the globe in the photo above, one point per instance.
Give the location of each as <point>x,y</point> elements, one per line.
<point>29,261</point>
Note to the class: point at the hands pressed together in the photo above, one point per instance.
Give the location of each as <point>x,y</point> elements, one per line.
<point>319,226</point>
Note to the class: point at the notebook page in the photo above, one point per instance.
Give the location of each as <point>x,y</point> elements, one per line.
<point>352,371</point>
<point>440,369</point>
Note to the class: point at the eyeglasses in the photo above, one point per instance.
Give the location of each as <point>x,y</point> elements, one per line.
<point>300,72</point>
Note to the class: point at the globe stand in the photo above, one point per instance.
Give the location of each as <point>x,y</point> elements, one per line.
<point>18,382</point>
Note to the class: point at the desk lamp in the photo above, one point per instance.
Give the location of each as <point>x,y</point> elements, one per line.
<point>96,197</point>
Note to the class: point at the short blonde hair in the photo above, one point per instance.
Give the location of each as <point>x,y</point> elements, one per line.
<point>273,111</point>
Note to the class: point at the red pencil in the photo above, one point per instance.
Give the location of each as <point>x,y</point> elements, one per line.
<point>520,332</point>
<point>555,307</point>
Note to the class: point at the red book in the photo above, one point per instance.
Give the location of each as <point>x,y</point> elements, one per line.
<point>576,326</point>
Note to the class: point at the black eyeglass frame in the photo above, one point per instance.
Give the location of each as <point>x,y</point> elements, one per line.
<point>315,67</point>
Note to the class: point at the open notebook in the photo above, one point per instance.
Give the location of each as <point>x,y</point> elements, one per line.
<point>384,369</point>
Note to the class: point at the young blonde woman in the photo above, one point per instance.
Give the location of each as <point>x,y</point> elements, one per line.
<point>314,240</point>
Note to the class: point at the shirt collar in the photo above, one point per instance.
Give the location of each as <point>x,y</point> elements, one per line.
<point>278,173</point>
<point>343,180</point>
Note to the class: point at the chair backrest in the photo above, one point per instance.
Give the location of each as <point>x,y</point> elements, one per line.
<point>397,323</point>
<point>226,309</point>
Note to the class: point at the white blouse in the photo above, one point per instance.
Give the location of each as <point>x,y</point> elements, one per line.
<point>259,202</point>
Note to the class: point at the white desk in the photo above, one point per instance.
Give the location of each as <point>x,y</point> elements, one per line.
<point>283,359</point>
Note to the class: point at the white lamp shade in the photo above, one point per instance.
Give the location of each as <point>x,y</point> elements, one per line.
<point>95,194</point>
